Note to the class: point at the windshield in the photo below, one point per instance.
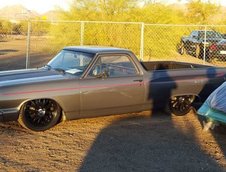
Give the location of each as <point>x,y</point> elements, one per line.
<point>210,34</point>
<point>71,61</point>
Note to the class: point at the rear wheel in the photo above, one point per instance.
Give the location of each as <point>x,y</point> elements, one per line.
<point>181,105</point>
<point>40,114</point>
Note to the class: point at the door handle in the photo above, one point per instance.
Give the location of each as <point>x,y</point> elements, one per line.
<point>138,80</point>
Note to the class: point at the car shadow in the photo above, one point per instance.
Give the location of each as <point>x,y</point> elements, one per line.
<point>141,143</point>
<point>154,142</point>
<point>132,142</point>
<point>205,92</point>
<point>219,132</point>
<point>209,87</point>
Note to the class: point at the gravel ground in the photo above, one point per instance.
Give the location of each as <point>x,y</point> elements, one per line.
<point>130,142</point>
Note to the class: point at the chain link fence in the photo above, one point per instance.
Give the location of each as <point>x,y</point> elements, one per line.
<point>33,43</point>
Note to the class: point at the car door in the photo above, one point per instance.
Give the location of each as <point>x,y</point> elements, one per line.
<point>113,84</point>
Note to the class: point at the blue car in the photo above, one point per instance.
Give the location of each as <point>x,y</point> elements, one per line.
<point>214,108</point>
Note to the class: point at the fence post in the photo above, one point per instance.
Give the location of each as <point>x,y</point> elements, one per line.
<point>28,44</point>
<point>142,42</point>
<point>204,49</point>
<point>82,29</point>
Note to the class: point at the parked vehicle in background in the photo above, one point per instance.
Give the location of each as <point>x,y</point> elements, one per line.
<point>217,50</point>
<point>197,42</point>
<point>224,36</point>
<point>94,81</point>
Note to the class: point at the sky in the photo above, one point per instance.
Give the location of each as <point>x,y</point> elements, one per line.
<point>42,6</point>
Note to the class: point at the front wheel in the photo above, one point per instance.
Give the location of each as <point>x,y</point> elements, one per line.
<point>198,51</point>
<point>210,57</point>
<point>180,48</point>
<point>40,114</point>
<point>181,105</point>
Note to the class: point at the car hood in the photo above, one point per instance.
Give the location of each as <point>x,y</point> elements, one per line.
<point>27,76</point>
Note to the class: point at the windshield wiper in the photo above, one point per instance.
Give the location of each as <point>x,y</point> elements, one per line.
<point>48,66</point>
<point>59,70</point>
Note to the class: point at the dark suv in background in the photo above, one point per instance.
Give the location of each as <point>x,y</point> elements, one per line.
<point>203,44</point>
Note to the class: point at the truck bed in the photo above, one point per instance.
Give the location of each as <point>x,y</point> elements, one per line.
<point>161,65</point>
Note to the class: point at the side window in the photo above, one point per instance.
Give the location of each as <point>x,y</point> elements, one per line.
<point>113,66</point>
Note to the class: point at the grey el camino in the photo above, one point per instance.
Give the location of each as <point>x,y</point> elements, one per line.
<point>94,81</point>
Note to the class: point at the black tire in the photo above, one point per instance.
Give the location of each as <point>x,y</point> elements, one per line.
<point>181,105</point>
<point>39,114</point>
<point>198,51</point>
<point>209,57</point>
<point>180,48</point>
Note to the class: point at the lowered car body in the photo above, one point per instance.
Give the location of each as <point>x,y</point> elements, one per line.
<point>94,81</point>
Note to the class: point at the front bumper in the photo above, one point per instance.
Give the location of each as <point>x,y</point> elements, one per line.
<point>212,114</point>
<point>11,114</point>
<point>217,55</point>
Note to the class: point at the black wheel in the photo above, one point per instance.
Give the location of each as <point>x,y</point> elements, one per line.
<point>180,48</point>
<point>197,51</point>
<point>208,57</point>
<point>40,114</point>
<point>181,105</point>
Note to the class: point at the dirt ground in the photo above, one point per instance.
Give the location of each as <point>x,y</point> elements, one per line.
<point>130,142</point>
<point>13,54</point>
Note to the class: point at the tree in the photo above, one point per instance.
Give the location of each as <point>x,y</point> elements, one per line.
<point>98,9</point>
<point>200,12</point>
<point>5,27</point>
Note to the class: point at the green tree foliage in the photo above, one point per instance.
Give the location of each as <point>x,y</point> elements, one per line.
<point>40,28</point>
<point>5,27</point>
<point>64,34</point>
<point>99,9</point>
<point>17,28</point>
<point>201,13</point>
<point>158,40</point>
<point>11,28</point>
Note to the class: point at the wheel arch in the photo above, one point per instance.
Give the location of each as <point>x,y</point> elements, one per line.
<point>62,115</point>
<point>181,104</point>
<point>197,98</point>
<point>186,94</point>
